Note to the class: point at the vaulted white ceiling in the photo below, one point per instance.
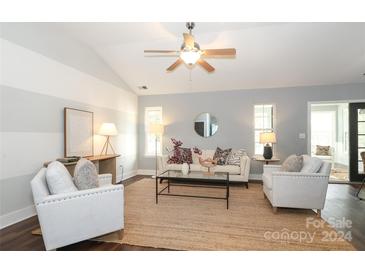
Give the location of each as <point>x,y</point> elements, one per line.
<point>268,54</point>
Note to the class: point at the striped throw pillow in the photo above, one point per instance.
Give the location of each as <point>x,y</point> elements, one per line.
<point>235,157</point>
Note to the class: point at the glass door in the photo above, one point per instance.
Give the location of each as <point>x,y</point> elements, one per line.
<point>357,141</point>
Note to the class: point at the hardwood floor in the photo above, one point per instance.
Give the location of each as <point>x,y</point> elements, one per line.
<point>340,203</point>
<point>18,237</point>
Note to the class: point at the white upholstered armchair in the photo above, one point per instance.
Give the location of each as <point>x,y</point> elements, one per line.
<point>296,189</point>
<point>73,217</point>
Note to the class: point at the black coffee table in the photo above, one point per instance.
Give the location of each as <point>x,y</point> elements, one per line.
<point>193,179</point>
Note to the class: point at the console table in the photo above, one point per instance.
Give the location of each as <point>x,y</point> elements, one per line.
<point>267,161</point>
<point>103,163</point>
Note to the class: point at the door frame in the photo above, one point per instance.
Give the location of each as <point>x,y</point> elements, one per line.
<point>353,141</point>
<point>309,117</point>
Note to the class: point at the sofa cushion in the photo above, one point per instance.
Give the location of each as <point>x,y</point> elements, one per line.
<point>231,169</point>
<point>85,175</point>
<point>59,180</point>
<point>221,155</point>
<point>311,164</point>
<point>195,157</point>
<point>267,180</point>
<point>234,157</point>
<point>293,163</point>
<point>193,167</point>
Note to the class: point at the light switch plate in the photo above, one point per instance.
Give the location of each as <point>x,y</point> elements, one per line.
<point>301,135</point>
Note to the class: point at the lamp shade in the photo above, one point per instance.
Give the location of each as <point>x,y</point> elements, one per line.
<point>267,137</point>
<point>156,128</point>
<point>108,129</point>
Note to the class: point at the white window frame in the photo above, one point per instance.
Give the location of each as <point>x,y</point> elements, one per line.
<point>147,151</point>
<point>272,129</point>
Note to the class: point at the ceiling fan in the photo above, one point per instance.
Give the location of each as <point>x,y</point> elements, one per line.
<point>190,52</point>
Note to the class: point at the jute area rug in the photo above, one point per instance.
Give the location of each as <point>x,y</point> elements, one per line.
<point>182,223</point>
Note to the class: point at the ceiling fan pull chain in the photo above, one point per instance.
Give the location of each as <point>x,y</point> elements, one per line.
<point>190,81</point>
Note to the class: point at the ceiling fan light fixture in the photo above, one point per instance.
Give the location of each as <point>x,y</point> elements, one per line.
<point>190,57</point>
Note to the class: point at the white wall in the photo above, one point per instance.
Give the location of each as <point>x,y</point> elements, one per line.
<point>34,89</point>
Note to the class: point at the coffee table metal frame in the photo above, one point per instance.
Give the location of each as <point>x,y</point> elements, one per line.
<point>206,182</point>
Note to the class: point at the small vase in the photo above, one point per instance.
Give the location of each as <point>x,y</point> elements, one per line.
<point>185,169</point>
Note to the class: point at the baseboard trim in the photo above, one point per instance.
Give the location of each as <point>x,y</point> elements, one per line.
<point>146,172</point>
<point>127,175</point>
<point>17,216</point>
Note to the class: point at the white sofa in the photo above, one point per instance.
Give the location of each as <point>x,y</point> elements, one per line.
<point>296,189</point>
<point>73,217</point>
<point>236,173</point>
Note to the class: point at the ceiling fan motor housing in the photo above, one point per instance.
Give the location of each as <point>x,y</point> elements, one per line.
<point>196,47</point>
<point>190,26</point>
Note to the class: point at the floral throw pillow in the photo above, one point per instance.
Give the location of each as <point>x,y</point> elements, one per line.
<point>181,155</point>
<point>221,155</point>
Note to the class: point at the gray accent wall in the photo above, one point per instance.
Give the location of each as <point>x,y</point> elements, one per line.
<point>234,111</point>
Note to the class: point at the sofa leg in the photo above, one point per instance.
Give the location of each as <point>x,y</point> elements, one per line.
<point>319,213</point>
<point>120,234</point>
<point>274,209</point>
<point>247,185</point>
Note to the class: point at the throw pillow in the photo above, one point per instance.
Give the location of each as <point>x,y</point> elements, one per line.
<point>293,163</point>
<point>221,155</point>
<point>323,150</point>
<point>58,178</point>
<point>181,155</point>
<point>234,157</point>
<point>86,175</point>
<point>311,164</point>
<point>186,155</point>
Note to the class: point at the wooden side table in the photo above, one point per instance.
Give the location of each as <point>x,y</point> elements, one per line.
<point>266,161</point>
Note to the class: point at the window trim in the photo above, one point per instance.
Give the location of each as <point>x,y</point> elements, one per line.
<point>146,110</point>
<point>273,118</point>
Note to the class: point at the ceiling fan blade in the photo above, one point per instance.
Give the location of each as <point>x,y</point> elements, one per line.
<point>222,52</point>
<point>189,40</point>
<point>160,51</point>
<point>205,65</point>
<point>174,65</point>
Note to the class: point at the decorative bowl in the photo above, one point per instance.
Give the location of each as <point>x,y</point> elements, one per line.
<point>208,163</point>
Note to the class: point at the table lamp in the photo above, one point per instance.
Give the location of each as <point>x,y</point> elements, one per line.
<point>157,129</point>
<point>267,138</point>
<point>107,129</point>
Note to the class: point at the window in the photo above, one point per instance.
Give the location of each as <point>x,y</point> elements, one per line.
<point>152,115</point>
<point>263,123</point>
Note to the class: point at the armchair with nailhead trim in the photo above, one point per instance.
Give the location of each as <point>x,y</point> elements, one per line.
<point>296,189</point>
<point>69,218</point>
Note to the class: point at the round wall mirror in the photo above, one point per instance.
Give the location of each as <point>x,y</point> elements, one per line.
<point>205,125</point>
